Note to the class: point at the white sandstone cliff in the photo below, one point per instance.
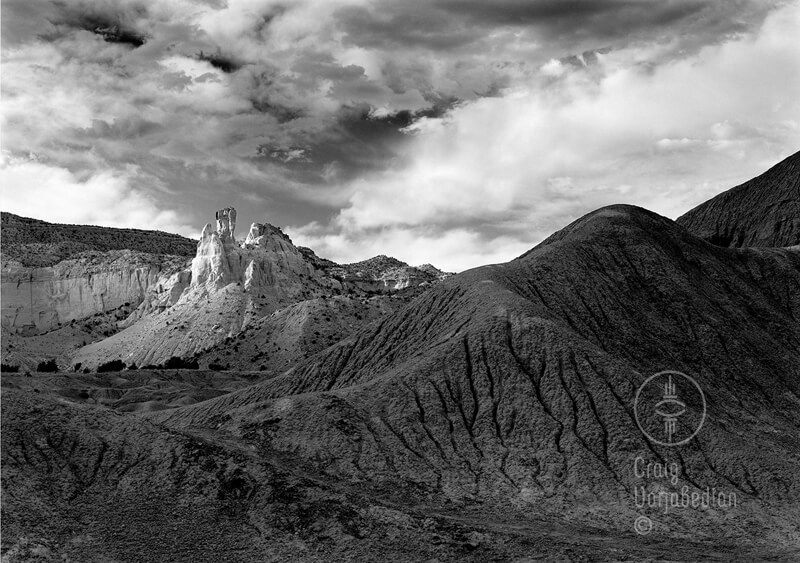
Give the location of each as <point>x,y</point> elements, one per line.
<point>227,287</point>
<point>38,300</point>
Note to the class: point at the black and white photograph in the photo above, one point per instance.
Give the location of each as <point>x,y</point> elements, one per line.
<point>399,281</point>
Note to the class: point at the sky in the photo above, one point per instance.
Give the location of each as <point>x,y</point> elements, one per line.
<point>452,132</point>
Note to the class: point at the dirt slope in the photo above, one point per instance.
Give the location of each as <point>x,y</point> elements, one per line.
<point>84,483</point>
<point>764,211</point>
<point>513,384</point>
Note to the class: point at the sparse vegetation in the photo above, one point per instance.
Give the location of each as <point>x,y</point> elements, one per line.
<point>6,368</point>
<point>47,366</point>
<point>38,243</point>
<point>179,363</point>
<point>113,365</point>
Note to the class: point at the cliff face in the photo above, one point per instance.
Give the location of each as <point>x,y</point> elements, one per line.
<point>228,287</point>
<point>37,300</point>
<point>53,274</point>
<point>182,306</point>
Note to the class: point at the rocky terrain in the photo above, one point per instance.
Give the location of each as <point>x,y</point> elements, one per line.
<point>54,275</point>
<point>41,299</point>
<point>486,416</point>
<point>277,342</point>
<point>764,212</point>
<point>32,242</point>
<point>264,291</point>
<point>383,272</point>
<point>181,307</point>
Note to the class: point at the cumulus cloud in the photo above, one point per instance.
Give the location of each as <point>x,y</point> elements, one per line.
<point>104,198</point>
<point>530,161</point>
<point>373,125</point>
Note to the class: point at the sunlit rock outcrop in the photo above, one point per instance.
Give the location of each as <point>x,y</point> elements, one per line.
<point>37,300</point>
<point>228,286</point>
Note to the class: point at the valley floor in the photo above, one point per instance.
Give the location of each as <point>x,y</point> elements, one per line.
<point>86,478</point>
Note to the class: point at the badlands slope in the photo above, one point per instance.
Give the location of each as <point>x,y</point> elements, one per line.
<point>512,385</point>
<point>764,211</point>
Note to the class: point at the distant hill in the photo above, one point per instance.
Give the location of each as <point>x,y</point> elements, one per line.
<point>39,243</point>
<point>764,211</point>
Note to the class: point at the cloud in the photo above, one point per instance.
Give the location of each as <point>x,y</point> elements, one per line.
<point>664,137</point>
<point>375,120</point>
<point>104,198</point>
<point>451,250</point>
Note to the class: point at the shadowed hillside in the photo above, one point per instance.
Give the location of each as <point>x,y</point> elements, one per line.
<point>764,211</point>
<point>513,384</point>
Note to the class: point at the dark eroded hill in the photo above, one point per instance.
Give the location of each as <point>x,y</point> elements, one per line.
<point>513,385</point>
<point>84,483</point>
<point>763,212</point>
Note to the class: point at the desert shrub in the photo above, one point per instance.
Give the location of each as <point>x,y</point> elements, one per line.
<point>47,366</point>
<point>179,363</point>
<point>6,368</point>
<point>113,365</point>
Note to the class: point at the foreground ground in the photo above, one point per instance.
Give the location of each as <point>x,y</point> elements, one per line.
<point>87,479</point>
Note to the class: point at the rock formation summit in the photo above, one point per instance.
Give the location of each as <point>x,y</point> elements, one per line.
<point>266,259</point>
<point>230,285</point>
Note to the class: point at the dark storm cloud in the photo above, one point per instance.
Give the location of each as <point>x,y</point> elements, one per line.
<point>597,16</point>
<point>449,25</point>
<point>220,61</point>
<point>589,24</point>
<point>357,143</point>
<point>111,30</point>
<point>114,23</point>
<point>404,24</point>
<point>295,108</point>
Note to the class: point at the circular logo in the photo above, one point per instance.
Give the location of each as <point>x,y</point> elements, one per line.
<point>670,408</point>
<point>643,525</point>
